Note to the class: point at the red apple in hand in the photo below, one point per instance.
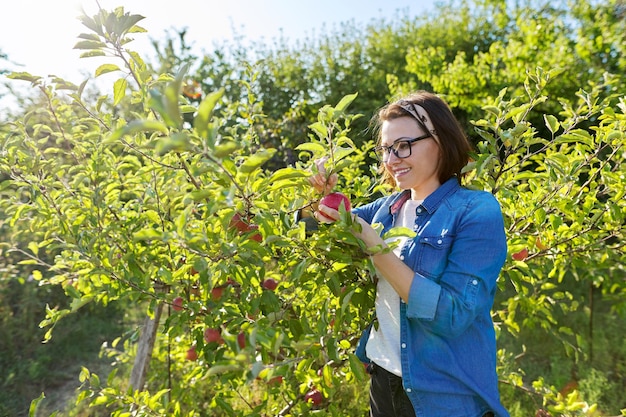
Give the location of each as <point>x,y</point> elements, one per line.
<point>334,201</point>
<point>314,397</point>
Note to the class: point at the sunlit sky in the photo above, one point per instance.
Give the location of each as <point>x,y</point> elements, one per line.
<point>38,35</point>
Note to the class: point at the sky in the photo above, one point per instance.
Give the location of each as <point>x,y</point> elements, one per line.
<point>38,36</point>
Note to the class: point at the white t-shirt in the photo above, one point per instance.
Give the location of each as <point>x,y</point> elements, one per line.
<point>383,346</point>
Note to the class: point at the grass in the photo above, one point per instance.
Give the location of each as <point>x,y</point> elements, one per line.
<point>29,367</point>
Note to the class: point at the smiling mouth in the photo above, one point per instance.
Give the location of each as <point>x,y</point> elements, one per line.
<point>401,172</point>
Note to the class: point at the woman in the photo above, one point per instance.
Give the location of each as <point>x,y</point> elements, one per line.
<point>432,351</point>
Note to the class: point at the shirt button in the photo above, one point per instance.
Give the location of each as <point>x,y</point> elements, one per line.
<point>403,346</point>
<point>425,239</point>
<point>475,282</point>
<point>408,390</point>
<point>440,241</point>
<point>419,209</point>
<point>402,257</point>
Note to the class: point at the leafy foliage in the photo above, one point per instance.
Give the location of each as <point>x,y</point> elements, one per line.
<point>178,194</point>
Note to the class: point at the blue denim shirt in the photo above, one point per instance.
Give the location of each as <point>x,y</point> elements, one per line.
<point>447,338</point>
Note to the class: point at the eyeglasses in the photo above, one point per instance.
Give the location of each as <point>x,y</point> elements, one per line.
<point>401,148</point>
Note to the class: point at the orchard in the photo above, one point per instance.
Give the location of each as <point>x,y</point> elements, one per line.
<point>176,207</point>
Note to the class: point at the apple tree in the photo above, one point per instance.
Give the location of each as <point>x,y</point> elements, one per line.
<point>147,199</point>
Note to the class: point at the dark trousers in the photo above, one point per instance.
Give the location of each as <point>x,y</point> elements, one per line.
<point>387,396</point>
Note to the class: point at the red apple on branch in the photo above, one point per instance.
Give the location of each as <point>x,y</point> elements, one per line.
<point>192,354</point>
<point>216,293</point>
<point>243,225</point>
<point>213,336</point>
<point>521,255</point>
<point>177,303</point>
<point>241,340</point>
<point>314,397</point>
<point>270,284</point>
<point>276,380</point>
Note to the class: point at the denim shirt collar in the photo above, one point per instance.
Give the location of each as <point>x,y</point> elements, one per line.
<point>431,202</point>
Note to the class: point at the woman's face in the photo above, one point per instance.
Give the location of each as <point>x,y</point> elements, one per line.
<point>419,171</point>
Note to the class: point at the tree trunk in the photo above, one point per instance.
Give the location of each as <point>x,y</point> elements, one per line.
<point>144,350</point>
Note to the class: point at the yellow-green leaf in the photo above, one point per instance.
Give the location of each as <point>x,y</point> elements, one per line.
<point>119,90</point>
<point>551,122</point>
<point>255,161</point>
<point>137,126</point>
<point>106,68</point>
<point>225,148</point>
<point>203,117</point>
<point>345,102</point>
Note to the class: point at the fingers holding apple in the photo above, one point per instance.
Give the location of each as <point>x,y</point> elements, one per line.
<point>330,205</point>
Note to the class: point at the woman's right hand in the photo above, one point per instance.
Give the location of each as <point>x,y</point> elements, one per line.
<point>321,181</point>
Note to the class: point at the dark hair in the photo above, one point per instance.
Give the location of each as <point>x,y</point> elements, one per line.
<point>454,146</point>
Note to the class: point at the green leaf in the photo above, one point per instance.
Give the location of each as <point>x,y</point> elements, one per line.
<point>34,248</point>
<point>89,37</point>
<point>345,102</point>
<point>551,123</point>
<point>255,161</point>
<point>225,148</point>
<point>106,68</point>
<point>311,147</point>
<point>357,367</point>
<point>199,195</point>
<point>127,22</point>
<point>170,98</point>
<point>288,174</point>
<point>119,90</point>
<point>23,76</point>
<point>319,129</point>
<point>187,108</point>
<point>95,52</point>
<point>178,142</point>
<point>90,23</point>
<point>34,405</point>
<point>492,109</point>
<point>203,117</point>
<point>156,102</point>
<point>89,44</point>
<point>147,234</point>
<point>137,126</point>
<point>400,232</point>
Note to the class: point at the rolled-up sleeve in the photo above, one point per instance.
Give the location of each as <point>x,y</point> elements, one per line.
<point>427,292</point>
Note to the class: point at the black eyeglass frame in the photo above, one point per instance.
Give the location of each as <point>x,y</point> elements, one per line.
<point>381,150</point>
